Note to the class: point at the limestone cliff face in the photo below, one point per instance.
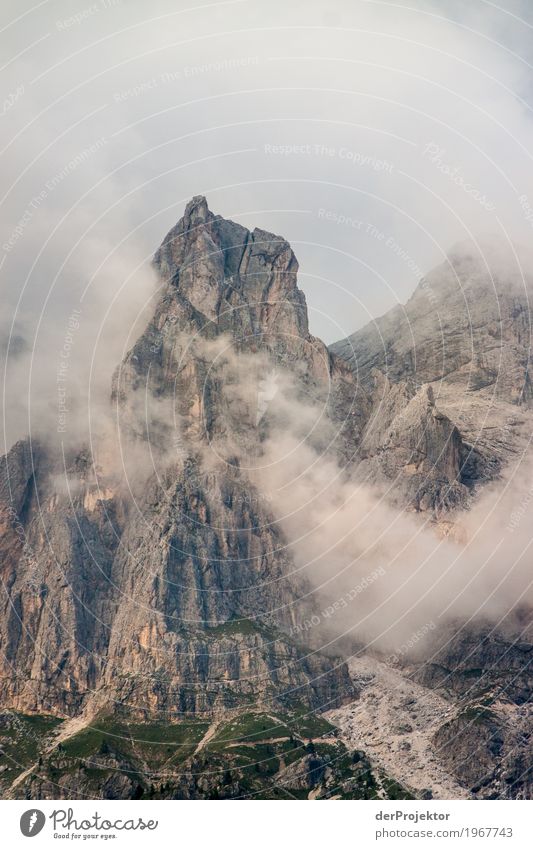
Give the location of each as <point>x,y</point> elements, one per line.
<point>244,281</point>
<point>465,325</point>
<point>229,293</point>
<point>58,548</point>
<point>165,587</point>
<point>152,580</point>
<point>412,449</point>
<point>466,334</point>
<point>229,315</point>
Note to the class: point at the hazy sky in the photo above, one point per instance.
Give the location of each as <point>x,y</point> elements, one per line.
<point>372,135</point>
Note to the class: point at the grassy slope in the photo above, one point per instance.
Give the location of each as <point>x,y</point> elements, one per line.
<point>251,754</point>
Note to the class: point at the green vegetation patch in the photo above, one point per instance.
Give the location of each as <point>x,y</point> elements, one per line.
<point>22,738</point>
<point>285,755</point>
<point>154,743</point>
<point>238,626</point>
<point>308,725</point>
<point>250,728</point>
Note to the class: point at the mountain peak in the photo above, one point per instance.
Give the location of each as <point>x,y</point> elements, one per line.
<point>197,211</point>
<point>234,278</point>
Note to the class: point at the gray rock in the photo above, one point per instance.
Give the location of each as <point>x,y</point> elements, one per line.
<point>173,595</point>
<point>466,334</point>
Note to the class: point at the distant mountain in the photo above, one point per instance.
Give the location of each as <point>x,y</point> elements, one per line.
<point>449,377</point>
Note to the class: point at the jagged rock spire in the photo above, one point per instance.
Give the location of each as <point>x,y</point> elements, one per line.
<point>244,280</point>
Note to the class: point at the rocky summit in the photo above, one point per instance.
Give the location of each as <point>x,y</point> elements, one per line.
<point>150,635</point>
<point>455,359</point>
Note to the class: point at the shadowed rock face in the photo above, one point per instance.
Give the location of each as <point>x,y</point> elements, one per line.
<point>410,447</point>
<point>489,750</point>
<point>58,548</point>
<point>474,661</point>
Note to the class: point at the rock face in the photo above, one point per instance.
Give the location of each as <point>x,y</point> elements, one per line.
<point>223,283</point>
<point>488,749</point>
<point>464,325</point>
<point>58,549</point>
<point>475,662</point>
<point>148,580</point>
<point>465,334</point>
<point>412,448</point>
<point>171,592</point>
<point>465,735</point>
<point>449,379</point>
